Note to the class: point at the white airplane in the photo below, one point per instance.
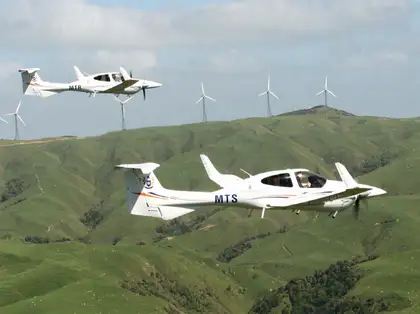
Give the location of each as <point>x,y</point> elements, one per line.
<point>274,190</point>
<point>103,83</point>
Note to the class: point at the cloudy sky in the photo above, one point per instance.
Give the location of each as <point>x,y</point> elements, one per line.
<point>370,50</point>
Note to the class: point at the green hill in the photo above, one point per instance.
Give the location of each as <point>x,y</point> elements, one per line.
<point>214,260</point>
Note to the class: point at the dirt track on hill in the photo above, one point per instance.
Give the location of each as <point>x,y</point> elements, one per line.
<point>42,141</point>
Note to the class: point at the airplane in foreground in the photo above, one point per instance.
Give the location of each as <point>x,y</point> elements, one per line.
<point>116,83</point>
<point>290,189</point>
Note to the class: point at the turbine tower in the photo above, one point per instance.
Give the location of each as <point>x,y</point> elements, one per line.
<point>326,91</point>
<point>122,104</point>
<point>203,98</point>
<point>268,92</point>
<point>17,116</point>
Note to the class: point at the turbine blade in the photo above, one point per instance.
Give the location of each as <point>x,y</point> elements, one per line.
<point>3,120</point>
<point>10,114</point>
<point>274,95</point>
<point>326,82</point>
<point>202,88</point>
<point>331,92</point>
<point>208,97</point>
<point>21,120</point>
<point>263,93</point>
<point>17,109</point>
<point>199,99</point>
<point>268,83</point>
<point>323,91</point>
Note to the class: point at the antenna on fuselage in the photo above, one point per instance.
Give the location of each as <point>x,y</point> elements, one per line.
<point>250,175</point>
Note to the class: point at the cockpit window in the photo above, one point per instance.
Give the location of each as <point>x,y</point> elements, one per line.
<point>117,77</point>
<point>307,179</point>
<point>102,78</point>
<point>282,180</point>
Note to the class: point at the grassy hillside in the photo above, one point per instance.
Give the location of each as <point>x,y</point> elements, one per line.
<point>49,187</point>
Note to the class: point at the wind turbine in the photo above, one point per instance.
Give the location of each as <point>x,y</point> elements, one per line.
<point>268,92</point>
<point>122,104</point>
<point>326,91</point>
<point>203,98</point>
<point>17,116</point>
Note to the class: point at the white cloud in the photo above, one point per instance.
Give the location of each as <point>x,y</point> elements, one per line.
<point>375,59</point>
<point>77,24</point>
<point>233,61</point>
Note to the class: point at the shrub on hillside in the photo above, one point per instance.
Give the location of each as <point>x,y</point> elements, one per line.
<point>13,188</point>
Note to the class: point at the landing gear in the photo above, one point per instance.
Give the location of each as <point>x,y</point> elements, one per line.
<point>297,211</point>
<point>263,212</point>
<point>333,215</point>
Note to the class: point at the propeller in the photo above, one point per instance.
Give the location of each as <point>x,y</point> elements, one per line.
<point>356,207</point>
<point>144,91</point>
<point>143,88</point>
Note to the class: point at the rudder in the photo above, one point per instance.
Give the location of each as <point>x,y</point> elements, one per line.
<point>143,193</point>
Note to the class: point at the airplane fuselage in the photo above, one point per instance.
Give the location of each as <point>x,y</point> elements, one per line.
<point>86,87</point>
<point>102,83</point>
<point>272,198</point>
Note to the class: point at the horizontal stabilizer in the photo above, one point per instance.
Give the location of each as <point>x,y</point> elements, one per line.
<point>29,70</point>
<point>223,180</point>
<point>120,87</point>
<point>46,93</point>
<point>146,168</point>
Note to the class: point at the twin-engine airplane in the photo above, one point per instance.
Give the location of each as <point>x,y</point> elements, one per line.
<point>103,83</point>
<point>290,189</point>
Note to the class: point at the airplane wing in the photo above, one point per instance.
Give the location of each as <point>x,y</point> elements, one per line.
<point>120,87</point>
<point>318,198</point>
<point>223,180</point>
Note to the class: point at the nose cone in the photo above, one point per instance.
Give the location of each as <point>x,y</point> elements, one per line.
<point>151,84</point>
<point>376,192</point>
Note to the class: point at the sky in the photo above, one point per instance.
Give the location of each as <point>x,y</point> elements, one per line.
<point>368,48</point>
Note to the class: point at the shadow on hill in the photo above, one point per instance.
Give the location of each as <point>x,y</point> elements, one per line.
<point>318,110</point>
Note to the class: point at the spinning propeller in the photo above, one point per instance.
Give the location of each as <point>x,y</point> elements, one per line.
<point>143,88</point>
<point>356,206</point>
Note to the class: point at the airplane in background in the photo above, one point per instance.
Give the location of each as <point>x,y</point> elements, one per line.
<point>117,83</point>
<point>274,190</point>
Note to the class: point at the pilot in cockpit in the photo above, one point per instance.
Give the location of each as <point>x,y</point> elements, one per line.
<point>302,181</point>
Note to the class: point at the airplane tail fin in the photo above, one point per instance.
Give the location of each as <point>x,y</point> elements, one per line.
<point>32,84</point>
<point>223,180</point>
<point>145,196</point>
<point>30,80</point>
<point>79,74</point>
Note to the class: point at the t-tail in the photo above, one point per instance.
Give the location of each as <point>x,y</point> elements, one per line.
<point>33,85</point>
<point>144,193</point>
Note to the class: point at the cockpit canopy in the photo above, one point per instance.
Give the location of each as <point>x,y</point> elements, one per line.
<point>105,77</point>
<point>303,179</point>
<point>282,179</point>
<point>307,179</point>
<point>117,77</point>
